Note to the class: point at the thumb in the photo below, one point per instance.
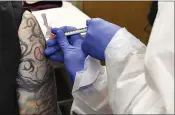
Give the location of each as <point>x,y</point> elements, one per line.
<point>61,39</point>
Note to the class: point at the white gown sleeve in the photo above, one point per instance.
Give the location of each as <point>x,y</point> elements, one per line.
<point>90,89</point>
<point>128,90</point>
<point>159,59</point>
<point>135,80</point>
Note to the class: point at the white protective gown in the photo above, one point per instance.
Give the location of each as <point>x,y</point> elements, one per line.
<point>136,78</point>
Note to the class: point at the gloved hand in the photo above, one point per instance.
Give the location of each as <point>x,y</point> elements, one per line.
<point>99,34</point>
<point>72,56</point>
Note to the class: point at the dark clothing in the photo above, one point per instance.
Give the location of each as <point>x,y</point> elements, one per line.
<point>153,12</point>
<point>10,19</point>
<point>41,5</point>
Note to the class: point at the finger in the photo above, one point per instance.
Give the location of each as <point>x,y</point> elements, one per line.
<point>54,30</point>
<point>57,57</point>
<point>51,42</point>
<point>51,50</point>
<point>74,38</point>
<point>94,21</point>
<point>61,39</point>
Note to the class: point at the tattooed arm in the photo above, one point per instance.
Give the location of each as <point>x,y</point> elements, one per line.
<point>36,82</point>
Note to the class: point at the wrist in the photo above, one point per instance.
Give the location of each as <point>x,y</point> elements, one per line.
<point>72,73</point>
<point>108,40</point>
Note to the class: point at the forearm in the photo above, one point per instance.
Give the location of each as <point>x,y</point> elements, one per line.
<point>36,82</point>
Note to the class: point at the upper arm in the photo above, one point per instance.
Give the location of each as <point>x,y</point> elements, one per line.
<point>36,82</point>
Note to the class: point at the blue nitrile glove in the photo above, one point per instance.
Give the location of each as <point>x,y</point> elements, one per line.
<point>72,56</point>
<point>99,34</point>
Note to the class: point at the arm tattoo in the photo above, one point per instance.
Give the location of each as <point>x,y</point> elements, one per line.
<point>36,83</point>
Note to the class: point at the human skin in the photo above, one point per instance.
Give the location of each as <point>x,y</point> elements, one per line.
<point>36,80</point>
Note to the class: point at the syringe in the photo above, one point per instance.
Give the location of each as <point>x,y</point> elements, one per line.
<point>70,33</point>
<point>77,31</point>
